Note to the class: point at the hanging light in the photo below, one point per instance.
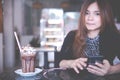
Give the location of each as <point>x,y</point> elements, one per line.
<point>37,5</point>
<point>65,4</point>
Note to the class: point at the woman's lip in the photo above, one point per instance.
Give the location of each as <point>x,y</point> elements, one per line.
<point>90,23</point>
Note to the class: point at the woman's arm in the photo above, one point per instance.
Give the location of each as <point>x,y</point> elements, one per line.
<point>66,49</point>
<point>65,63</point>
<point>76,64</point>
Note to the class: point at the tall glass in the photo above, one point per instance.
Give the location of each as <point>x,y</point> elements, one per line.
<point>28,60</point>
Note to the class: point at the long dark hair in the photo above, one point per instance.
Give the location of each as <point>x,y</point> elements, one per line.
<point>107,22</point>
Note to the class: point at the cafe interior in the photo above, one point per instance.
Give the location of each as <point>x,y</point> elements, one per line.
<point>42,24</point>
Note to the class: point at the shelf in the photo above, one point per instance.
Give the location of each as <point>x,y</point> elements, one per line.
<point>54,43</point>
<point>55,21</point>
<point>52,29</point>
<point>42,49</point>
<point>53,36</point>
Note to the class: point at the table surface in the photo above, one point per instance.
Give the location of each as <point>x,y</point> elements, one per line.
<point>54,74</point>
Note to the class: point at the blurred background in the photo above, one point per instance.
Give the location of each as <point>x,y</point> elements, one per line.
<point>40,23</point>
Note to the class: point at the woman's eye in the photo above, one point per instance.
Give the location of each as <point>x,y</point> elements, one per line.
<point>86,13</point>
<point>97,13</point>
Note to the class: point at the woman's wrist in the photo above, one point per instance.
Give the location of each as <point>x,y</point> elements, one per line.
<point>69,63</point>
<point>114,69</point>
<point>110,70</point>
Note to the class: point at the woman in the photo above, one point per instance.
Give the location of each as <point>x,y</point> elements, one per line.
<point>96,35</point>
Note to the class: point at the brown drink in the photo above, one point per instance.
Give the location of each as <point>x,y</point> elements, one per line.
<point>28,59</point>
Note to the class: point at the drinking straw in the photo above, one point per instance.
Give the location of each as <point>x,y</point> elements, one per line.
<point>18,42</point>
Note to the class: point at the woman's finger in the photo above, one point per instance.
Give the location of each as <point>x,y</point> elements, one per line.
<point>76,69</point>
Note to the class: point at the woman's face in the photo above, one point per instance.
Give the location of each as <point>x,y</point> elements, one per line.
<point>92,17</point>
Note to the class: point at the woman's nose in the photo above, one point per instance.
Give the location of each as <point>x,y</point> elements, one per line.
<point>90,17</point>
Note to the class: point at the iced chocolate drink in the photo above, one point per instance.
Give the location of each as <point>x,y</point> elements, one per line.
<point>28,59</point>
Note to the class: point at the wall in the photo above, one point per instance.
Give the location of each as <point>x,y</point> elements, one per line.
<point>1,52</point>
<point>1,17</point>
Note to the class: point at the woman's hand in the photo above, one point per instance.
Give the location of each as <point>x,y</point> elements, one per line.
<point>78,64</point>
<point>100,69</point>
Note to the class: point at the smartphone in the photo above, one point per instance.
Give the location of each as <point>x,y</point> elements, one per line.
<point>93,59</point>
